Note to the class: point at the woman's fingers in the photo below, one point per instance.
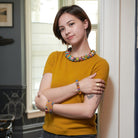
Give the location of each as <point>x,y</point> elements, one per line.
<point>99,86</point>
<point>99,81</point>
<point>92,76</point>
<point>97,92</point>
<point>100,90</point>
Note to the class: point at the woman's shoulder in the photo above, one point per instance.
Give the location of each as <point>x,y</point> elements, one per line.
<point>101,61</point>
<point>56,53</point>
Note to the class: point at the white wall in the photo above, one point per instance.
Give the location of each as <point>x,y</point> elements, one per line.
<point>117,45</point>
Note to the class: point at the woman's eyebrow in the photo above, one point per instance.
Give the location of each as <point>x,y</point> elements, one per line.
<point>66,23</point>
<point>70,21</point>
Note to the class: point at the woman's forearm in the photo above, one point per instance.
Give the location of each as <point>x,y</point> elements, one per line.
<point>60,94</point>
<point>83,110</point>
<point>74,111</point>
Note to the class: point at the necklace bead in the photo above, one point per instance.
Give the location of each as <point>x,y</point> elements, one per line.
<point>77,59</point>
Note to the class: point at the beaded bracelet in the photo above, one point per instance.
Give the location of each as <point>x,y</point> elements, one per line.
<point>49,107</point>
<point>78,87</point>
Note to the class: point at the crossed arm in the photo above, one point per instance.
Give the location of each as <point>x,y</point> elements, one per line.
<point>83,110</point>
<point>79,110</point>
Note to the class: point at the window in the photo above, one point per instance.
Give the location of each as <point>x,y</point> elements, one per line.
<point>40,40</point>
<point>43,39</point>
<point>91,8</point>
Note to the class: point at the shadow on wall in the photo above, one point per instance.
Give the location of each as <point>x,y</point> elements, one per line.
<point>105,115</point>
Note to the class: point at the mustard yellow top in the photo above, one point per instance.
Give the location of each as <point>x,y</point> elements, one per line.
<point>65,72</point>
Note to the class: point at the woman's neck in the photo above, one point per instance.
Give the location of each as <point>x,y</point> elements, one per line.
<point>80,50</point>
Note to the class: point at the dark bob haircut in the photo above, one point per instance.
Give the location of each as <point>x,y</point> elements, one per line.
<point>75,11</point>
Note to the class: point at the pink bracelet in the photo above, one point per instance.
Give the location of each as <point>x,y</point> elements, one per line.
<point>78,87</point>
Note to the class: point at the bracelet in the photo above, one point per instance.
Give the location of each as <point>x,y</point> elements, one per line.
<point>78,87</point>
<point>49,107</point>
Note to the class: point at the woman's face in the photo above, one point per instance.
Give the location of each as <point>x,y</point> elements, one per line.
<point>72,30</point>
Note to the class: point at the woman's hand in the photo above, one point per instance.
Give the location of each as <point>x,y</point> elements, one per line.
<point>92,86</point>
<point>40,101</point>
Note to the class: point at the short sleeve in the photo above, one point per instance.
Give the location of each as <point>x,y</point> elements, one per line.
<point>101,69</point>
<point>50,63</point>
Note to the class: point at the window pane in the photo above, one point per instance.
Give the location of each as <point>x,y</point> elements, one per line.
<point>92,40</point>
<point>44,11</point>
<point>43,43</point>
<point>91,8</point>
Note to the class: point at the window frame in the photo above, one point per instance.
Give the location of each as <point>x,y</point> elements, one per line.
<point>31,113</point>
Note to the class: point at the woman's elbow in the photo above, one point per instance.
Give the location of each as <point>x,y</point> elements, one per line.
<point>89,113</point>
<point>40,92</point>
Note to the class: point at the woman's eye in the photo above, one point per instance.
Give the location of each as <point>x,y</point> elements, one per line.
<point>61,29</point>
<point>71,24</point>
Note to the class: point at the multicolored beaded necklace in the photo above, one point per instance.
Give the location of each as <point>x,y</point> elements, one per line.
<point>77,59</point>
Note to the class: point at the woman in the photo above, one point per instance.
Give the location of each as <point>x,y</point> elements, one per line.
<point>73,81</point>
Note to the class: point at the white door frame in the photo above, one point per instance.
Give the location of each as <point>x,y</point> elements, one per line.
<point>117,46</point>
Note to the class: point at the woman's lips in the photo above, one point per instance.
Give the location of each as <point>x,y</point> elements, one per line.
<point>70,37</point>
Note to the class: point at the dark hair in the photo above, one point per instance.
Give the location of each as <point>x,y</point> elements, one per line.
<point>75,11</point>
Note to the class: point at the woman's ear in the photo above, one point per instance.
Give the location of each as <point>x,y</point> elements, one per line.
<point>85,22</point>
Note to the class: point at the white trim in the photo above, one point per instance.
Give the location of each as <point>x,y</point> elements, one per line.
<point>117,45</point>
<point>100,27</point>
<point>109,109</point>
<point>28,52</point>
<point>35,114</point>
<point>127,68</point>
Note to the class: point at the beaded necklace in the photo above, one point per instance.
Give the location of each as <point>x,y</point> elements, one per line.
<point>77,59</point>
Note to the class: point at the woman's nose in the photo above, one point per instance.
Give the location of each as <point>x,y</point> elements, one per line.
<point>67,30</point>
